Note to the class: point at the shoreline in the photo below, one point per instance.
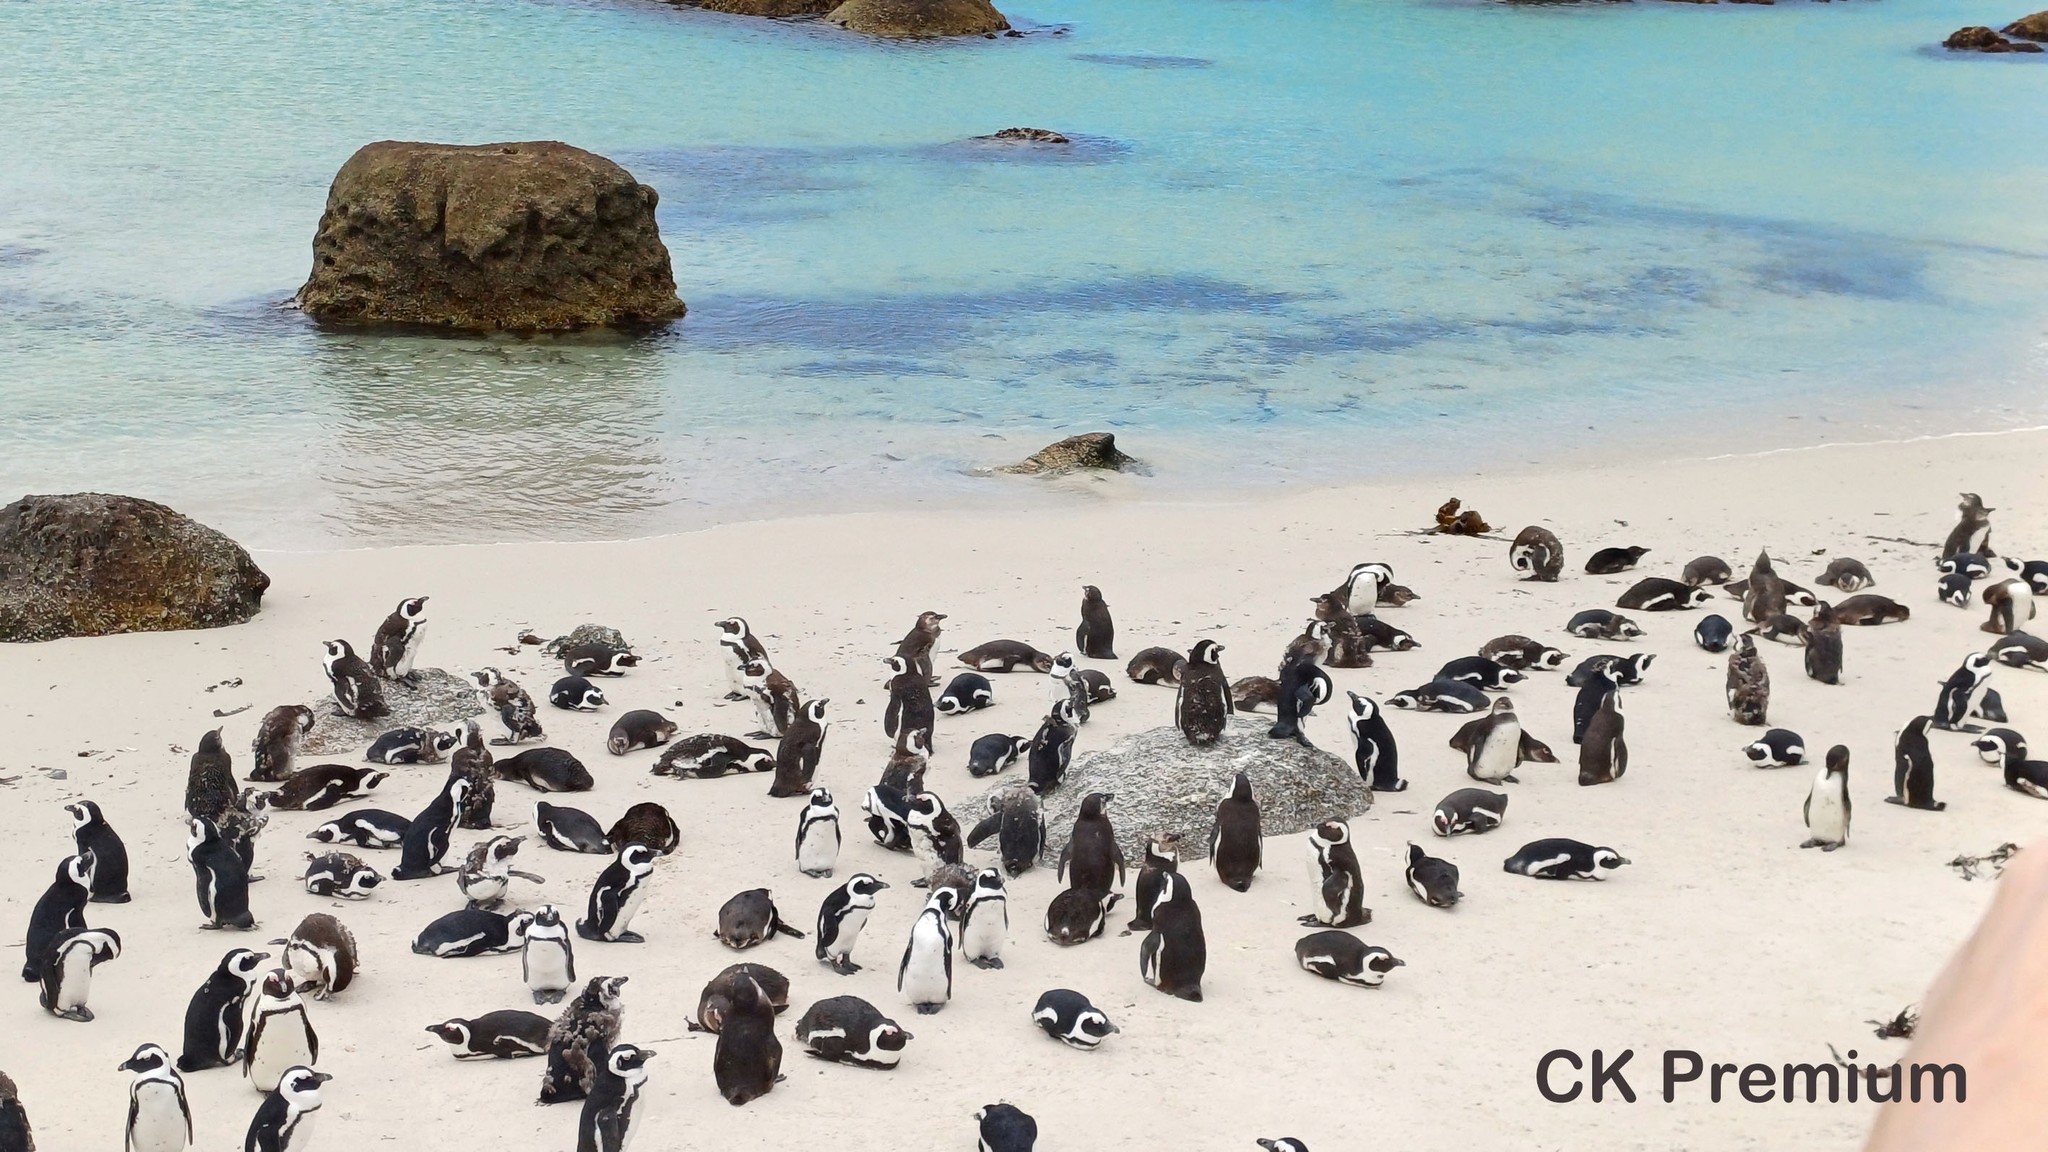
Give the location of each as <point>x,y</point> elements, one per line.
<point>1718,885</point>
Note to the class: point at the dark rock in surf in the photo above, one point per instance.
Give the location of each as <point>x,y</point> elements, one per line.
<point>1089,451</point>
<point>919,19</point>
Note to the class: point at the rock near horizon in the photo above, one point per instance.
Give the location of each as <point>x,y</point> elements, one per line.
<point>526,237</point>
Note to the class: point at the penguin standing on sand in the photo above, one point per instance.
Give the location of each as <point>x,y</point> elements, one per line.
<point>1096,636</point>
<point>1175,954</point>
<point>1340,888</point>
<point>736,642</point>
<point>1749,684</point>
<point>1953,705</point>
<point>215,1016</point>
<point>1052,749</point>
<point>427,836</point>
<point>1603,754</point>
<point>1827,803</point>
<point>840,919</point>
<point>1913,769</point>
<point>357,691</point>
<point>95,838</point>
<point>611,1113</point>
<point>210,788</point>
<point>1372,746</point>
<point>1972,533</point>
<point>1765,593</point>
<point>399,639</point>
<point>1302,687</point>
<point>280,1035</point>
<point>1202,706</point>
<point>817,835</point>
<point>1234,845</point>
<point>1092,854</point>
<point>547,957</point>
<point>925,978</point>
<point>284,1121</point>
<point>747,1062</point>
<point>67,970</point>
<point>797,755</point>
<point>159,1119</point>
<point>1492,744</point>
<point>1063,682</point>
<point>917,645</point>
<point>910,707</point>
<point>1162,855</point>
<point>278,740</point>
<point>985,920</point>
<point>588,1026</point>
<point>1824,645</point>
<point>220,875</point>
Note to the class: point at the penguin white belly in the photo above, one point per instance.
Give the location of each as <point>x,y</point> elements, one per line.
<point>159,1122</point>
<point>926,851</point>
<point>632,1106</point>
<point>487,889</point>
<point>299,1137</point>
<point>849,931</point>
<point>76,985</point>
<point>765,713</point>
<point>924,973</point>
<point>283,1045</point>
<point>1826,818</point>
<point>547,966</point>
<point>1496,756</point>
<point>820,849</point>
<point>306,966</point>
<point>623,922</point>
<point>410,649</point>
<point>985,933</point>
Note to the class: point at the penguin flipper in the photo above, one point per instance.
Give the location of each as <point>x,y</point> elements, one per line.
<point>984,830</point>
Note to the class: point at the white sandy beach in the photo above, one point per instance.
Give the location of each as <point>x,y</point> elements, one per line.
<point>1723,937</point>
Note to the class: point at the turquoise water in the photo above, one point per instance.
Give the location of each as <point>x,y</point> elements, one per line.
<point>1297,241</point>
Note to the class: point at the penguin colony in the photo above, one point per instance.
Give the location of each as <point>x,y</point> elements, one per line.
<point>259,1010</point>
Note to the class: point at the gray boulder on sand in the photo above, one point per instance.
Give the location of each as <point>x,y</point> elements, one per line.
<point>437,700</point>
<point>1096,450</point>
<point>526,237</point>
<point>919,19</point>
<point>1164,784</point>
<point>90,564</point>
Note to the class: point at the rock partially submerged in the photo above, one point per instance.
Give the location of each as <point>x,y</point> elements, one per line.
<point>527,237</point>
<point>437,700</point>
<point>1981,39</point>
<point>1164,784</point>
<point>91,564</point>
<point>919,19</point>
<point>586,634</point>
<point>1088,451</point>
<point>2033,27</point>
<point>770,8</point>
<point>1027,136</point>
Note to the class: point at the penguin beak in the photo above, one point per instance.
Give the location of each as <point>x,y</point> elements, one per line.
<point>278,942</point>
<point>322,1077</point>
<point>647,1053</point>
<point>263,955</point>
<point>880,884</point>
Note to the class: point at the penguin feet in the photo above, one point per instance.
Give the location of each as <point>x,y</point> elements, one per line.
<point>629,938</point>
<point>987,962</point>
<point>116,898</point>
<point>761,734</point>
<point>843,966</point>
<point>1309,921</point>
<point>82,1014</point>
<point>736,697</point>
<point>1396,786</point>
<point>929,1009</point>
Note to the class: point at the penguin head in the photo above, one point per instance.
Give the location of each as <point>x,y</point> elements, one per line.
<point>1977,664</point>
<point>243,964</point>
<point>1205,652</point>
<point>78,869</point>
<point>277,985</point>
<point>1439,820</point>
<point>1415,854</point>
<point>637,859</point>
<point>864,885</point>
<point>946,900</point>
<point>628,1062</point>
<point>1090,594</point>
<point>1063,713</point>
<point>457,788</point>
<point>1241,789</point>
<point>1283,1144</point>
<point>547,916</point>
<point>987,882</point>
<point>815,710</point>
<point>898,666</point>
<point>1973,505</point>
<point>503,847</point>
<point>889,1037</point>
<point>1093,803</point>
<point>591,697</point>
<point>1549,658</point>
<point>1402,700</point>
<point>914,742</point>
<point>1093,1026</point>
<point>84,814</point>
<point>1062,666</point>
<point>1838,761</point>
<point>1503,706</point>
<point>926,808</point>
<point>445,740</point>
<point>1626,628</point>
<point>821,798</point>
<point>455,1032</point>
<point>1362,709</point>
<point>2000,745</point>
<point>1330,833</point>
<point>148,1058</point>
<point>1317,630</point>
<point>337,651</point>
<point>929,622</point>
<point>1758,753</point>
<point>300,1087</point>
<point>1607,859</point>
<point>1509,676</point>
<point>1696,597</point>
<point>487,677</point>
<point>732,628</point>
<point>1382,961</point>
<point>1172,886</point>
<point>414,608</point>
<point>758,760</point>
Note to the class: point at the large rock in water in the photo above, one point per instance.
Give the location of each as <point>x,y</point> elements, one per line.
<point>1165,784</point>
<point>919,19</point>
<point>91,564</point>
<point>2033,27</point>
<point>531,237</point>
<point>1089,450</point>
<point>436,699</point>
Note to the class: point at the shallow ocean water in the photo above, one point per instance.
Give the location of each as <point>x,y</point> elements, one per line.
<point>1297,241</point>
